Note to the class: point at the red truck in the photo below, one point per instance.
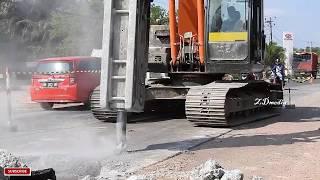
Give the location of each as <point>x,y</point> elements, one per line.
<point>65,80</point>
<point>305,63</point>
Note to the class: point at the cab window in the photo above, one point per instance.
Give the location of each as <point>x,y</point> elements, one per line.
<point>227,20</point>
<point>90,65</point>
<point>54,67</point>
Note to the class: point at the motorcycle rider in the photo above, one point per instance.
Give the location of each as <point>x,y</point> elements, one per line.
<point>278,72</point>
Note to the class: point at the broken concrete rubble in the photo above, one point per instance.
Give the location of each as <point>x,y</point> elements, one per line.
<point>138,178</point>
<point>9,160</point>
<point>232,175</point>
<point>211,170</point>
<point>207,171</point>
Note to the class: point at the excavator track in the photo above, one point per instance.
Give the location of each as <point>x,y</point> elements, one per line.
<point>229,104</point>
<point>97,111</point>
<point>152,110</point>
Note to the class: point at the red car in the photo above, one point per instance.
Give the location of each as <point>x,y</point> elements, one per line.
<point>65,80</point>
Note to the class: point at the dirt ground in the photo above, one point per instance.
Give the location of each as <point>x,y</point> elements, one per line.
<point>285,147</point>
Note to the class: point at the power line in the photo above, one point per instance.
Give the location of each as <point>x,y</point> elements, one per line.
<point>310,47</point>
<point>270,23</point>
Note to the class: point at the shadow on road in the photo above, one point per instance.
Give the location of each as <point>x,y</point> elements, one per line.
<point>155,116</point>
<point>298,115</point>
<point>157,111</point>
<point>305,114</point>
<point>265,140</point>
<point>72,108</point>
<point>241,141</point>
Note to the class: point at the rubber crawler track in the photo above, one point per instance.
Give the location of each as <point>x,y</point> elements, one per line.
<point>228,104</point>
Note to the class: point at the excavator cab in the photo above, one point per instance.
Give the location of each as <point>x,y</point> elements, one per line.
<point>227,36</point>
<point>235,36</point>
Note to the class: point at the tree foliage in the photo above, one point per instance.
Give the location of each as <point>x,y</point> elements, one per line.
<point>44,28</point>
<point>314,49</point>
<point>273,52</point>
<point>158,15</point>
<point>307,49</point>
<point>51,27</point>
<point>26,20</point>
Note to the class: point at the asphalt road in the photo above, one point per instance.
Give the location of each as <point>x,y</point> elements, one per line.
<point>280,148</point>
<point>75,144</point>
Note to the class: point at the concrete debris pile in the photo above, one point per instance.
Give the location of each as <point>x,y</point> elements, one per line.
<point>9,160</point>
<point>211,170</point>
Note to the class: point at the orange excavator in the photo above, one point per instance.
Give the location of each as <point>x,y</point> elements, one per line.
<point>212,54</point>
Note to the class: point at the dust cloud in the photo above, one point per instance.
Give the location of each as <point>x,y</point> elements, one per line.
<point>3,111</point>
<point>79,155</point>
<point>71,28</point>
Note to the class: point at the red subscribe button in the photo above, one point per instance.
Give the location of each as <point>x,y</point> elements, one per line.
<point>17,172</point>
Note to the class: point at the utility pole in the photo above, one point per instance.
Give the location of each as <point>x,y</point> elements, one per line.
<point>270,23</point>
<point>310,47</point>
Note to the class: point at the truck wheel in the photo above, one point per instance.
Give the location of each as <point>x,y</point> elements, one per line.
<point>98,113</point>
<point>47,106</point>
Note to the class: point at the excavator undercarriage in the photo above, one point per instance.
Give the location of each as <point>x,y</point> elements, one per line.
<point>217,104</point>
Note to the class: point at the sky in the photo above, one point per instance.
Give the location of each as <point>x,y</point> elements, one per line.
<point>297,16</point>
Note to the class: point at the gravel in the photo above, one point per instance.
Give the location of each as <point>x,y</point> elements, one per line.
<point>210,170</point>
<point>257,178</point>
<point>138,178</point>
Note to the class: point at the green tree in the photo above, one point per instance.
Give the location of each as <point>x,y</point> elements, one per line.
<point>26,20</point>
<point>158,15</point>
<point>26,23</point>
<point>316,50</point>
<point>298,50</point>
<point>273,52</point>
